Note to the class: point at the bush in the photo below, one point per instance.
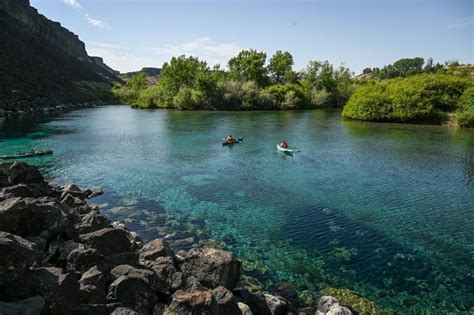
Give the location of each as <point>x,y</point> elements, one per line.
<point>465,114</point>
<point>421,98</point>
<point>287,96</point>
<point>189,98</point>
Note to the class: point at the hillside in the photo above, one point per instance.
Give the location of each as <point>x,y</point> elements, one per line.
<point>42,64</point>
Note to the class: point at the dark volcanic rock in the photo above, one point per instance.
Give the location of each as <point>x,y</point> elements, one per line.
<point>154,249</point>
<point>81,260</point>
<point>226,302</point>
<point>132,272</point>
<point>168,278</point>
<point>92,221</point>
<point>109,241</point>
<point>60,289</point>
<point>46,217</point>
<point>195,303</point>
<point>17,256</point>
<point>31,306</point>
<point>124,311</point>
<point>213,267</point>
<point>133,292</point>
<point>93,286</point>
<point>19,173</point>
<point>287,291</point>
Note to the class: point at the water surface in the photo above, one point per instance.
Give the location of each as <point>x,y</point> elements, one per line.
<point>386,210</point>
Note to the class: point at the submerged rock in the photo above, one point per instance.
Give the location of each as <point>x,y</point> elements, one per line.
<point>212,267</point>
<point>329,305</point>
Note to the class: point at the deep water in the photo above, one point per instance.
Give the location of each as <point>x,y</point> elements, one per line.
<point>386,210</point>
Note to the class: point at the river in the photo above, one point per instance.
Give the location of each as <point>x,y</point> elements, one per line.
<point>386,210</point>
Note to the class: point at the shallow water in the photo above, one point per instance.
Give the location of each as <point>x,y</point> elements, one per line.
<point>384,209</point>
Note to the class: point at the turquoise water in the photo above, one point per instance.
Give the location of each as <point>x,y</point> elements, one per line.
<point>386,210</point>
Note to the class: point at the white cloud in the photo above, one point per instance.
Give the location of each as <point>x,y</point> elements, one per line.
<point>204,47</point>
<point>122,61</point>
<point>73,4</point>
<point>462,23</point>
<point>94,22</point>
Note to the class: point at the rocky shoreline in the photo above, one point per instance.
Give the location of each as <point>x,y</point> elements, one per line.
<point>63,256</point>
<point>27,109</point>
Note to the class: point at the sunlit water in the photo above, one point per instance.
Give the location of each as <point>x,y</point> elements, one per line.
<point>384,209</point>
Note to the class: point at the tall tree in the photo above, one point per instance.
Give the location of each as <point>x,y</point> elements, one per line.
<point>281,67</point>
<point>249,65</point>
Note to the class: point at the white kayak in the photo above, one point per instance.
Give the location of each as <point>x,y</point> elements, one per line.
<point>286,150</point>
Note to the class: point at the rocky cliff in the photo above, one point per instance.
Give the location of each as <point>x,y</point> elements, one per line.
<point>42,64</point>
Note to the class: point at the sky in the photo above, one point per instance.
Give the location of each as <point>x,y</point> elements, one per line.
<point>132,34</point>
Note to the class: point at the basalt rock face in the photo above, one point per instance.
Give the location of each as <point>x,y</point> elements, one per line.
<point>67,258</point>
<point>44,65</point>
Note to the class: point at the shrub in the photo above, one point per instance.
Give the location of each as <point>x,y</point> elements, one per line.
<point>425,97</point>
<point>465,114</point>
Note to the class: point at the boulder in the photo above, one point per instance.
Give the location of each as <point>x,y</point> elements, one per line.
<point>132,272</point>
<point>94,309</point>
<point>73,190</point>
<point>124,311</point>
<point>60,289</point>
<point>191,284</point>
<point>212,267</point>
<point>244,309</point>
<point>81,260</point>
<point>17,256</point>
<point>109,241</point>
<point>328,305</point>
<point>226,302</point>
<point>154,249</point>
<point>93,286</point>
<point>59,250</point>
<point>286,291</point>
<point>125,258</point>
<point>92,221</point>
<point>45,217</point>
<point>133,292</point>
<point>94,194</point>
<point>31,306</point>
<point>276,304</point>
<point>19,173</point>
<point>168,278</point>
<point>195,303</point>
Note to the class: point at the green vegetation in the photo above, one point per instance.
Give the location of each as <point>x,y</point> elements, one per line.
<point>247,84</point>
<point>409,90</point>
<point>465,113</point>
<point>418,98</point>
<point>359,304</point>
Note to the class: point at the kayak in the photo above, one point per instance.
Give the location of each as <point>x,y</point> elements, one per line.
<point>285,150</point>
<point>236,141</point>
<point>26,154</point>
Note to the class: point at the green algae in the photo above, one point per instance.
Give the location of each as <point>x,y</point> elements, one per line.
<point>359,304</point>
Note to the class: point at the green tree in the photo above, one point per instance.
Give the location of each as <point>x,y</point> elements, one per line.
<point>408,66</point>
<point>280,67</point>
<point>180,72</point>
<point>249,65</point>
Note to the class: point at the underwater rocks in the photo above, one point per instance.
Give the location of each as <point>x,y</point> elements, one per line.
<point>62,256</point>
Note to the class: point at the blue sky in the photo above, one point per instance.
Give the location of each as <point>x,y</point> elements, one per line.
<point>131,34</point>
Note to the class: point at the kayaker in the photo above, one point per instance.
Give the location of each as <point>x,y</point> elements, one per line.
<point>283,144</point>
<point>229,139</point>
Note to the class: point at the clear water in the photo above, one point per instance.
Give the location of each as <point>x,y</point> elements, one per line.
<point>384,209</point>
